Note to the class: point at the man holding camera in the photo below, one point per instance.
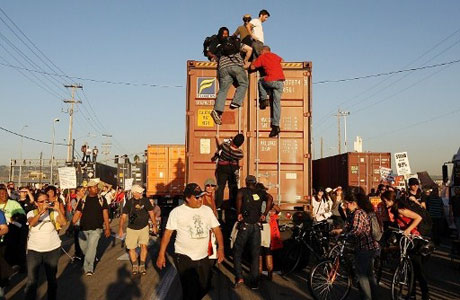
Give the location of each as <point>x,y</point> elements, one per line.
<point>138,210</point>
<point>248,207</point>
<point>93,211</point>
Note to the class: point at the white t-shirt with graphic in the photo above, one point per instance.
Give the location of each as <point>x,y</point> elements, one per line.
<point>257,29</point>
<point>43,237</point>
<point>192,226</point>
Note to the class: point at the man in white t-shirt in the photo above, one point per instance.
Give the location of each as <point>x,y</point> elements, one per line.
<point>192,221</point>
<point>43,245</point>
<point>257,31</point>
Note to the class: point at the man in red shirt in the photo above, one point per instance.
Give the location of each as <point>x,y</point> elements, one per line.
<point>271,83</point>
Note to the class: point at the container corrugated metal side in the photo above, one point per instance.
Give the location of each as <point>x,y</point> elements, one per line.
<point>350,169</point>
<point>165,169</point>
<point>282,164</point>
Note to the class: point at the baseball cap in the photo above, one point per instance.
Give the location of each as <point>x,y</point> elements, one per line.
<point>93,182</point>
<point>328,190</point>
<point>137,189</point>
<point>209,181</point>
<point>238,140</point>
<point>251,179</point>
<point>193,189</point>
<point>413,181</point>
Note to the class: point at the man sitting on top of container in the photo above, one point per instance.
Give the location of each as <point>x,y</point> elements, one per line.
<point>272,83</point>
<point>231,71</point>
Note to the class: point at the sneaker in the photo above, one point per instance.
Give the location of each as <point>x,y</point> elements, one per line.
<point>142,269</point>
<point>89,274</point>
<point>215,116</point>
<point>234,106</point>
<point>135,270</point>
<point>275,131</point>
<point>264,104</point>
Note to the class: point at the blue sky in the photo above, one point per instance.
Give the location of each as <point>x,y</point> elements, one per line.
<point>150,42</point>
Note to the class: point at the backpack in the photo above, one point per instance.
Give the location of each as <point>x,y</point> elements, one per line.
<point>424,227</point>
<point>210,44</point>
<point>376,230</point>
<point>83,200</point>
<point>56,225</point>
<point>231,46</point>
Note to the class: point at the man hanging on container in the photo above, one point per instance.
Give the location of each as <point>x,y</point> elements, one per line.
<point>271,84</point>
<point>231,71</point>
<point>228,156</point>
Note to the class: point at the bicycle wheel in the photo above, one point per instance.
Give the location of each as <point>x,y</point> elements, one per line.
<point>403,281</point>
<point>333,252</point>
<point>330,280</point>
<point>292,253</point>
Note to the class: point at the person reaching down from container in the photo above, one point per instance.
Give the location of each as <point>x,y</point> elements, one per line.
<point>211,45</point>
<point>138,210</point>
<point>271,84</point>
<point>192,222</point>
<point>257,31</point>
<point>231,70</point>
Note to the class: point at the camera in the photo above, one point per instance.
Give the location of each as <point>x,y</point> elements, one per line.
<point>51,204</point>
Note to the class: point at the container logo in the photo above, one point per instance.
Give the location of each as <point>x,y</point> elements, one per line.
<point>206,87</point>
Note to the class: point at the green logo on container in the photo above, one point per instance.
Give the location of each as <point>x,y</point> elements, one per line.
<point>206,87</point>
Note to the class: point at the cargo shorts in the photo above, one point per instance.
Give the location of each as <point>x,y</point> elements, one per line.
<point>137,237</point>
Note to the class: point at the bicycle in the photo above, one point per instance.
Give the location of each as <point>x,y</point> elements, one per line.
<point>333,278</point>
<point>305,241</point>
<point>402,283</point>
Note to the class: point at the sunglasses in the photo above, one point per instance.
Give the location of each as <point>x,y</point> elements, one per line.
<point>198,197</point>
<point>210,185</point>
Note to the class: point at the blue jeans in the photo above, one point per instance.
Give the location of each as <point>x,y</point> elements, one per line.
<point>364,260</point>
<point>34,261</point>
<point>227,76</point>
<point>276,89</point>
<point>88,244</point>
<point>249,235</point>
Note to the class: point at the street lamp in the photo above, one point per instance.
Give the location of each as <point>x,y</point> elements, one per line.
<point>52,149</point>
<point>20,155</point>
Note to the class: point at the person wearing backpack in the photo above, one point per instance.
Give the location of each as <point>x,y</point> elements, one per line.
<point>138,210</point>
<point>93,212</point>
<point>231,71</point>
<point>359,226</point>
<point>43,245</point>
<point>408,220</point>
<point>211,45</point>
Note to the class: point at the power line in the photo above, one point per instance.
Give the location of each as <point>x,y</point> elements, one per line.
<point>416,124</point>
<point>389,73</point>
<point>94,80</point>
<point>30,138</point>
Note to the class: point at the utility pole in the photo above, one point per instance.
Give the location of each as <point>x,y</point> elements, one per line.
<point>340,114</point>
<point>70,111</point>
<point>321,147</point>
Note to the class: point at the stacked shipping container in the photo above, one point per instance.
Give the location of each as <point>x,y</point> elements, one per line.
<point>350,169</point>
<point>165,170</point>
<point>283,164</point>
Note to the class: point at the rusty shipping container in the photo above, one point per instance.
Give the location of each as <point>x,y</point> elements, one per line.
<point>350,169</point>
<point>165,170</point>
<point>283,164</point>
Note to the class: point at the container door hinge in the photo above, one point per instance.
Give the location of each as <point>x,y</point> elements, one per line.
<point>307,114</point>
<point>308,155</point>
